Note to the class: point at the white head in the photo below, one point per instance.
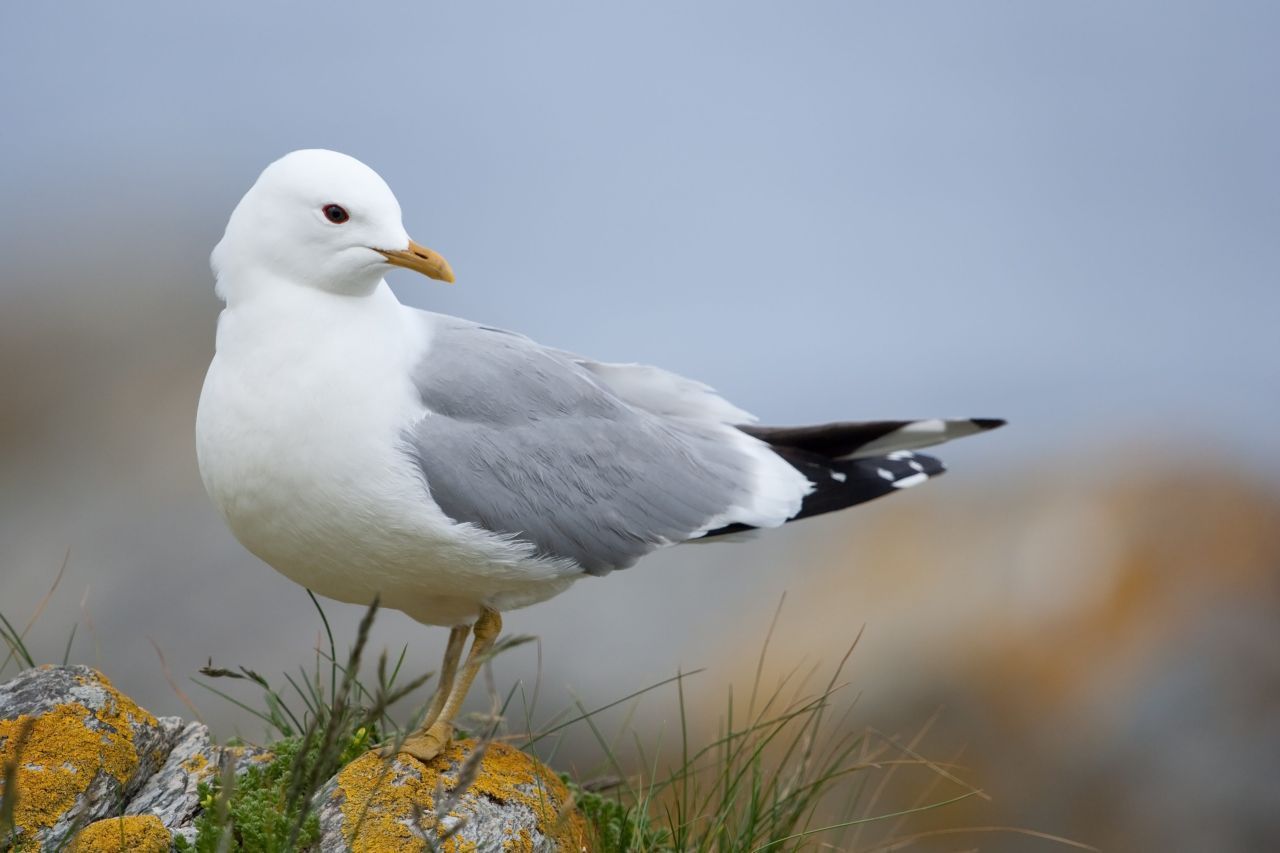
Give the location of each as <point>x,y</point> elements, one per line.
<point>319,219</point>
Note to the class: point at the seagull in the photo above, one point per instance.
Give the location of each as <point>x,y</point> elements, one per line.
<point>452,470</point>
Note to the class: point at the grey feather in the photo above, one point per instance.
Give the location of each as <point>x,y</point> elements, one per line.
<point>522,440</point>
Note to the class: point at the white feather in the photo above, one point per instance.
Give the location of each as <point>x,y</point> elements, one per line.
<point>665,393</point>
<point>916,435</point>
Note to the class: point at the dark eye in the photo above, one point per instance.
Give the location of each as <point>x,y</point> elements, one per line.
<point>336,213</point>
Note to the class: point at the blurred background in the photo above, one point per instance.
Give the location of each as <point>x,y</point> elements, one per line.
<point>1067,215</point>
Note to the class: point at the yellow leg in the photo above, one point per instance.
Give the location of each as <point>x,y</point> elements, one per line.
<point>436,735</point>
<point>448,669</point>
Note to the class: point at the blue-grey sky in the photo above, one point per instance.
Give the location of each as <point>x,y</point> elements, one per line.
<point>1066,214</point>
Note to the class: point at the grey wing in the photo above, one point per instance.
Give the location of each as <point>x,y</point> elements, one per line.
<point>521,440</point>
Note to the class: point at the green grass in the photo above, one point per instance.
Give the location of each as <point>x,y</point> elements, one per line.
<point>782,773</point>
<point>785,770</point>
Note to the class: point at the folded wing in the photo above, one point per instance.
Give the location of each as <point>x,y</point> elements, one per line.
<point>527,442</point>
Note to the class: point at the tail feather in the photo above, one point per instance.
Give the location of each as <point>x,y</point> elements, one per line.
<point>861,439</point>
<point>852,463</point>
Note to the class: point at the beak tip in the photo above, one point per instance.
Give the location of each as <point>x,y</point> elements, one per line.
<point>420,259</point>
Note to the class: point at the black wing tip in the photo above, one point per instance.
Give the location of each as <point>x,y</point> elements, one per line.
<point>843,483</point>
<point>988,423</point>
<point>930,466</point>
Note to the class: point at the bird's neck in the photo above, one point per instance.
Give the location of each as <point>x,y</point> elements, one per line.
<point>237,287</point>
<point>299,319</point>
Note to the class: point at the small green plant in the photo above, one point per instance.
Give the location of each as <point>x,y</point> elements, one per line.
<point>269,809</point>
<point>251,811</point>
<point>615,827</point>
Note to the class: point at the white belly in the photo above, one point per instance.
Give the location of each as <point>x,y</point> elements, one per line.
<point>300,436</point>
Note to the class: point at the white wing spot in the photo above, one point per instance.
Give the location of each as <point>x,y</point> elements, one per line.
<point>839,477</point>
<point>899,455</point>
<point>908,482</point>
<point>916,466</point>
<point>934,425</point>
<point>885,473</point>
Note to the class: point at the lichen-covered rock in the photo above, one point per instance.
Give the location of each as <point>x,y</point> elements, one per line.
<point>127,834</point>
<point>94,772</point>
<point>513,803</point>
<point>87,749</point>
<point>171,794</point>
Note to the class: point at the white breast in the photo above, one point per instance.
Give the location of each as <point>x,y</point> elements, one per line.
<point>299,436</point>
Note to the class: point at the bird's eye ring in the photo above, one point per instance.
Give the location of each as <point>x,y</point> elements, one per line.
<point>335,213</point>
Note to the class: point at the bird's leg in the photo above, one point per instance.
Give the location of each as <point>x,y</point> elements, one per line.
<point>448,669</point>
<point>432,740</point>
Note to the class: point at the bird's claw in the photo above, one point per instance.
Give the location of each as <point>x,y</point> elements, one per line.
<point>424,745</point>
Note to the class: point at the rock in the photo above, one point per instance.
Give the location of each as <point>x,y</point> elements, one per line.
<point>94,772</point>
<point>513,803</point>
<point>88,749</point>
<point>171,793</point>
<point>129,834</point>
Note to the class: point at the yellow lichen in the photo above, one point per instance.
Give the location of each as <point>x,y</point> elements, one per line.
<point>129,834</point>
<point>119,708</point>
<point>238,754</point>
<point>378,800</point>
<point>196,763</point>
<point>505,770</point>
<point>374,808</point>
<point>523,843</point>
<point>63,754</point>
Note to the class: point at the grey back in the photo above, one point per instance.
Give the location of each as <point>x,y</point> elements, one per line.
<point>521,440</point>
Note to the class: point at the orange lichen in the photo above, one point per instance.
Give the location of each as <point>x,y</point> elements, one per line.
<point>65,751</point>
<point>129,834</point>
<point>378,799</point>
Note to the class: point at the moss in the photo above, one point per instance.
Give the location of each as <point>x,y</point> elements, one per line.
<point>129,834</point>
<point>67,748</point>
<point>379,802</point>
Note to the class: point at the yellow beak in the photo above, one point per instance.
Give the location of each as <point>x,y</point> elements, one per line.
<point>419,259</point>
